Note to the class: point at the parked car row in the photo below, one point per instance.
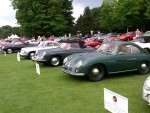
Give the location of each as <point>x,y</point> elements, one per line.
<point>55,57</point>
<point>78,59</point>
<point>29,52</point>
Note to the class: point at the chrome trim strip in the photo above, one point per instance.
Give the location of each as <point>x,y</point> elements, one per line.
<point>72,73</point>
<point>123,71</point>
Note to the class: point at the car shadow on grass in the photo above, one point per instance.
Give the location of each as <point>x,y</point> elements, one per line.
<point>107,77</point>
<point>74,78</point>
<point>122,75</point>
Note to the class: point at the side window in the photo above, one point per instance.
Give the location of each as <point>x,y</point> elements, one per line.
<point>18,43</point>
<point>55,44</point>
<point>127,49</point>
<point>49,44</point>
<point>74,45</point>
<point>134,49</point>
<point>124,49</point>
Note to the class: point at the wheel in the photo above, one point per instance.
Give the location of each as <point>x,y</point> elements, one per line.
<point>55,61</point>
<point>31,54</point>
<point>9,50</point>
<point>144,68</point>
<point>96,73</point>
<point>147,50</point>
<point>128,39</point>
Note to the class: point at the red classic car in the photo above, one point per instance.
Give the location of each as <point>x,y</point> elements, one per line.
<point>128,36</point>
<point>93,42</point>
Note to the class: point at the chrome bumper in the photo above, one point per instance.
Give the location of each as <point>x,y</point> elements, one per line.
<point>71,73</point>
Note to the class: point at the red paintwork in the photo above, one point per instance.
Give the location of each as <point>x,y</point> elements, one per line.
<point>127,36</point>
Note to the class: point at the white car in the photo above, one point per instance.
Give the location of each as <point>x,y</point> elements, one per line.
<point>28,52</point>
<point>146,90</point>
<point>143,41</point>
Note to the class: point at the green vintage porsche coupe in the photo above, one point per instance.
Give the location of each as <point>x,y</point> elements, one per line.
<point>110,57</point>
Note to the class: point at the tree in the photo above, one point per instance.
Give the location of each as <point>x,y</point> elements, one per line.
<point>109,18</point>
<point>96,16</point>
<point>7,30</point>
<point>79,24</point>
<point>85,22</point>
<point>122,14</point>
<point>44,17</point>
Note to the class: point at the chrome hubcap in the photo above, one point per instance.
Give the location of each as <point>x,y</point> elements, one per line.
<point>32,54</point>
<point>9,51</point>
<point>95,72</point>
<point>143,66</point>
<point>55,61</point>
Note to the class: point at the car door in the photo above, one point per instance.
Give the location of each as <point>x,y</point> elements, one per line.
<point>128,59</point>
<point>18,46</point>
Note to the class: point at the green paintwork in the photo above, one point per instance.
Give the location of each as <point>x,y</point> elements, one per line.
<point>113,62</point>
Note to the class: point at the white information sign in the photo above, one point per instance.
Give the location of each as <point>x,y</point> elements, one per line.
<point>37,69</point>
<point>114,102</point>
<point>18,57</point>
<point>5,53</point>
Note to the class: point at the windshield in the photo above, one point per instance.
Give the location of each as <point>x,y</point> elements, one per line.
<point>65,45</point>
<point>130,33</point>
<point>107,48</point>
<point>41,44</point>
<point>146,33</point>
<point>69,45</point>
<point>138,39</point>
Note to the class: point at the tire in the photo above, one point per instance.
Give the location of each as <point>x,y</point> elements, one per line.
<point>31,54</point>
<point>96,73</point>
<point>9,51</point>
<point>55,61</point>
<point>128,39</point>
<point>147,50</point>
<point>144,68</point>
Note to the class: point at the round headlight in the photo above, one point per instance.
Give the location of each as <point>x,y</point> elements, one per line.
<point>65,60</point>
<point>42,55</point>
<point>147,84</point>
<point>3,47</point>
<point>79,63</point>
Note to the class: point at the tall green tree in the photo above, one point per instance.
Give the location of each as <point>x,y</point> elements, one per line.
<point>5,31</point>
<point>109,19</point>
<point>122,14</point>
<point>85,22</point>
<point>96,16</point>
<point>44,17</point>
<point>79,24</point>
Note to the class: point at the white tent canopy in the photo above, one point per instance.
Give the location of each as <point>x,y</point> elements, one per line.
<point>13,37</point>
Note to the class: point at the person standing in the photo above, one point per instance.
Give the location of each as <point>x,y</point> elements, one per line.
<point>137,33</point>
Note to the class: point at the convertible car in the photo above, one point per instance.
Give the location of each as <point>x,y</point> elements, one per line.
<point>30,51</point>
<point>110,57</point>
<point>55,57</point>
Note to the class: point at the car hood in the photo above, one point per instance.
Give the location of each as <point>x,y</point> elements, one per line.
<point>58,49</point>
<point>37,48</point>
<point>89,56</point>
<point>47,50</point>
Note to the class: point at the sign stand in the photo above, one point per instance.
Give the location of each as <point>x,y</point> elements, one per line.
<point>37,69</point>
<point>18,57</point>
<point>5,53</point>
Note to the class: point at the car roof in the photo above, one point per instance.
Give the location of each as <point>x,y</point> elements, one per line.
<point>143,36</point>
<point>119,42</point>
<point>71,41</point>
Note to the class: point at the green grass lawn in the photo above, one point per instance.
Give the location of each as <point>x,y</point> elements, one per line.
<point>24,91</point>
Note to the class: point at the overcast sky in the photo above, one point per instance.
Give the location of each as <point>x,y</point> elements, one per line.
<point>7,14</point>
